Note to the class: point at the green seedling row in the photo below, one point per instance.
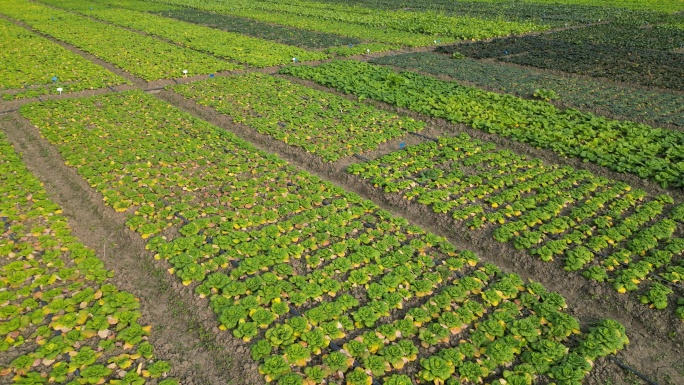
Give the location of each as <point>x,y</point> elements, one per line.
<point>319,122</point>
<point>623,100</point>
<point>142,56</point>
<point>605,229</point>
<point>61,321</point>
<point>223,44</point>
<point>323,284</point>
<point>48,60</point>
<point>653,153</point>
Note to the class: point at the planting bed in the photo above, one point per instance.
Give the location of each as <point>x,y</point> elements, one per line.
<point>321,123</point>
<point>61,320</point>
<point>227,45</point>
<point>139,55</point>
<point>634,103</point>
<point>53,66</point>
<point>640,66</point>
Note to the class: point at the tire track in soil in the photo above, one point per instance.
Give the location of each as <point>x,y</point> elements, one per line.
<point>652,350</point>
<point>185,329</point>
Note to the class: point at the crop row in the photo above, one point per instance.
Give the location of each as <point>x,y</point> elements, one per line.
<point>143,56</point>
<point>60,320</point>
<point>554,14</point>
<point>625,64</point>
<point>601,227</point>
<point>426,22</point>
<point>322,123</point>
<point>51,66</point>
<point>267,31</point>
<point>362,32</point>
<point>659,37</point>
<point>325,284</point>
<point>622,100</point>
<point>653,153</point>
<point>227,45</point>
<point>668,6</point>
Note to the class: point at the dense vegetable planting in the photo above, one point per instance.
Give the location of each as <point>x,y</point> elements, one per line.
<point>143,56</point>
<point>363,32</point>
<point>228,45</point>
<point>628,101</point>
<point>555,14</point>
<point>322,123</point>
<point>624,146</point>
<point>51,66</point>
<point>328,286</point>
<point>427,22</point>
<point>638,66</point>
<point>267,31</point>
<point>658,37</point>
<point>600,227</point>
<point>60,320</point>
<point>649,5</point>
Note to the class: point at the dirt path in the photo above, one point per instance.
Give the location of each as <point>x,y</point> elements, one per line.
<point>185,331</point>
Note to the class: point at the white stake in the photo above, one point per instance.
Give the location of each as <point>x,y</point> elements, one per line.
<point>60,89</point>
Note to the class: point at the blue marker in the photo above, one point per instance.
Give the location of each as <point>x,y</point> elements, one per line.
<point>402,145</point>
<point>351,45</point>
<point>54,79</point>
<point>211,75</point>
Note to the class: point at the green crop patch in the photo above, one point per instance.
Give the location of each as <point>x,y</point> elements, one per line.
<point>323,284</point>
<point>627,101</point>
<point>267,31</point>
<point>557,14</point>
<point>142,56</point>
<point>319,122</point>
<point>358,31</point>
<point>653,153</point>
<point>638,66</point>
<point>600,227</point>
<point>60,319</point>
<point>656,37</point>
<point>51,66</point>
<point>227,45</point>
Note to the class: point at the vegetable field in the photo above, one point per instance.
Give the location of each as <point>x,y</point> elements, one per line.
<point>306,192</point>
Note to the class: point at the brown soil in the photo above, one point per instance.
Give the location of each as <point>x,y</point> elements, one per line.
<point>657,337</point>
<point>185,329</point>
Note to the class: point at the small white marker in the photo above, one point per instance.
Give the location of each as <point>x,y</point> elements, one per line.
<point>367,51</point>
<point>185,72</point>
<point>60,89</point>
